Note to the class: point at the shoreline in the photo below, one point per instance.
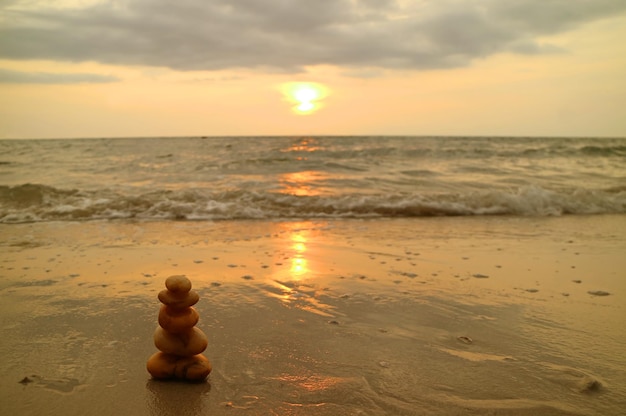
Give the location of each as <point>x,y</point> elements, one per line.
<point>463,315</point>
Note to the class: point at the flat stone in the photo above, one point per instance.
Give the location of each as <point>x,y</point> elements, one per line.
<point>177,301</point>
<point>178,284</point>
<point>164,366</point>
<point>184,344</point>
<point>177,320</point>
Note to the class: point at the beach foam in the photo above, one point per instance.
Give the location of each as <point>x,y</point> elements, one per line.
<point>39,203</point>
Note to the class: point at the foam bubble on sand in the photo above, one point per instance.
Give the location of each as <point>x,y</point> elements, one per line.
<point>510,404</point>
<point>58,385</point>
<point>574,378</point>
<point>598,293</point>
<point>477,356</point>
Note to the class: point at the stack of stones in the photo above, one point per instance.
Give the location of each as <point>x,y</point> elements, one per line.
<point>179,341</point>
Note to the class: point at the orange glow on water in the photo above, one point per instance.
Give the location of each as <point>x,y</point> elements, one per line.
<point>303,145</point>
<point>299,263</point>
<point>298,266</point>
<point>312,382</point>
<point>301,183</point>
<point>292,284</point>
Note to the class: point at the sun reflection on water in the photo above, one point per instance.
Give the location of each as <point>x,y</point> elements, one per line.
<point>308,144</point>
<point>300,183</point>
<point>295,285</point>
<point>313,382</point>
<point>299,263</point>
<point>304,182</point>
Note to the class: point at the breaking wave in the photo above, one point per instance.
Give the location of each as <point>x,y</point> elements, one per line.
<point>38,203</point>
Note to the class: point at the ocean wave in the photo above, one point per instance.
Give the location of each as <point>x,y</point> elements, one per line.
<point>604,150</point>
<point>38,203</point>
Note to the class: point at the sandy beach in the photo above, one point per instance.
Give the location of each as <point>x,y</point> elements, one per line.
<point>433,316</point>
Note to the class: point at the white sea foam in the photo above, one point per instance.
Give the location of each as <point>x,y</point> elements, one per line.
<point>205,205</point>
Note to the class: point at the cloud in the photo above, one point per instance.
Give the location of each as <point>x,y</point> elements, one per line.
<point>17,77</point>
<point>288,35</point>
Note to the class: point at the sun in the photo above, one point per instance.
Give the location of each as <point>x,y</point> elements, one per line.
<point>306,96</point>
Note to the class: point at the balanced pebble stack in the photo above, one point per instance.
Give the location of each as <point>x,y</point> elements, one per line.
<point>179,341</point>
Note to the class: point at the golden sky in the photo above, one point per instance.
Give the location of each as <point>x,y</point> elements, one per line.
<point>111,68</point>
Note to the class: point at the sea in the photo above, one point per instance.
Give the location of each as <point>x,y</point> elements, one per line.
<point>283,178</point>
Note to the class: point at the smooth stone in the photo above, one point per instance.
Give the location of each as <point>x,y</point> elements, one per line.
<point>178,284</point>
<point>177,320</point>
<point>184,344</point>
<point>167,366</point>
<point>170,298</point>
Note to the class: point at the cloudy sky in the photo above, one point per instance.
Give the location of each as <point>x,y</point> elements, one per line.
<point>101,68</point>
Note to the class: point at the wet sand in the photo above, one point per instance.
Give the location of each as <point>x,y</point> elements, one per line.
<point>434,316</point>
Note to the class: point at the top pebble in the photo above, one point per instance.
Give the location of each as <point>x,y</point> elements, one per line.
<point>178,284</point>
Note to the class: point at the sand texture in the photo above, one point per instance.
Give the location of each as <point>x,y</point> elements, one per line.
<point>434,316</point>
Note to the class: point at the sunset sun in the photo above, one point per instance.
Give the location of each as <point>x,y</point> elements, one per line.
<point>305,96</point>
